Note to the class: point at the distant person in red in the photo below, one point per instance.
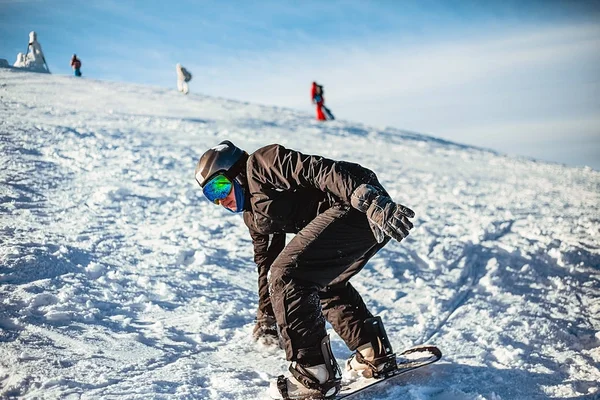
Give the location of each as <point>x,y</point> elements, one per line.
<point>76,65</point>
<point>323,113</point>
<point>317,99</point>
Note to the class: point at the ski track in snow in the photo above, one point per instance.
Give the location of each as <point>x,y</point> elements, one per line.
<point>119,280</point>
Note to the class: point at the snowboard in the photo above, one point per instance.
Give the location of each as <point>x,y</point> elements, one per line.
<point>328,113</point>
<point>409,360</point>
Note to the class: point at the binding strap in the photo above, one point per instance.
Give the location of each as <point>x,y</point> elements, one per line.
<point>307,380</point>
<point>282,387</point>
<point>311,382</point>
<point>304,377</point>
<point>359,357</point>
<point>387,364</point>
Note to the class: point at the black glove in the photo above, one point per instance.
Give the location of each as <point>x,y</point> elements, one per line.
<point>385,216</point>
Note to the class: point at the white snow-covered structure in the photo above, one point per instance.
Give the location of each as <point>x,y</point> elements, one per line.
<point>34,60</point>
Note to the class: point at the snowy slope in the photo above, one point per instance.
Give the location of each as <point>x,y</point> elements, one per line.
<point>119,280</point>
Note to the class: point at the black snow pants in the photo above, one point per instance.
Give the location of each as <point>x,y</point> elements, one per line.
<point>309,283</point>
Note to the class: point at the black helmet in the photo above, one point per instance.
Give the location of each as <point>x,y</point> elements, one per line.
<point>220,158</point>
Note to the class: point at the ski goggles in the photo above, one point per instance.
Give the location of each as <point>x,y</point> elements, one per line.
<point>217,188</point>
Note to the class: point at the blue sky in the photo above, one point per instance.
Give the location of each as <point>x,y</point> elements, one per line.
<point>520,77</point>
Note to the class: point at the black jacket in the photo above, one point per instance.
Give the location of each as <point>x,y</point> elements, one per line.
<point>287,190</point>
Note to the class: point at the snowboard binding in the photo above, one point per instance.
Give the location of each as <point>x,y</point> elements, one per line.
<point>315,388</point>
<point>383,360</point>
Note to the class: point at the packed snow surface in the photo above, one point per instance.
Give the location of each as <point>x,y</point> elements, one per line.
<point>119,280</point>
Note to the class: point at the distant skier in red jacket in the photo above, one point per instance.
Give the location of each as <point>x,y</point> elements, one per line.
<point>323,113</point>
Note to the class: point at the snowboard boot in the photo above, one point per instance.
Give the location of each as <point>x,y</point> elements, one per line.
<point>317,382</point>
<point>376,358</point>
<point>265,332</point>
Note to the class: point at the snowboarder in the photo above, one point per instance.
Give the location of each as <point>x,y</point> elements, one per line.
<point>34,59</point>
<point>76,65</point>
<point>317,95</point>
<point>183,77</point>
<point>341,216</point>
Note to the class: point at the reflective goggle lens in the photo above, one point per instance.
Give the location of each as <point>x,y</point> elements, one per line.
<point>217,188</point>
